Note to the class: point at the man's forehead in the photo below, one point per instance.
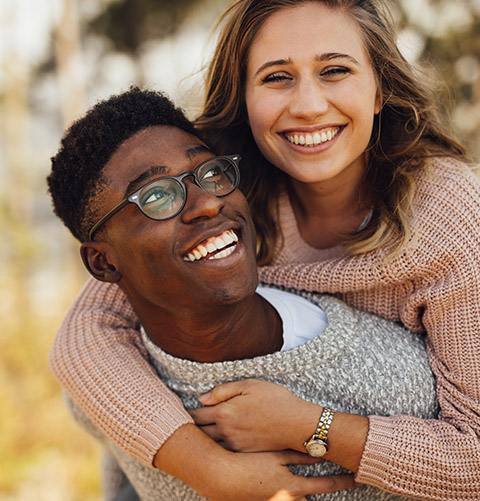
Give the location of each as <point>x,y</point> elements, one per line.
<point>161,140</point>
<point>156,150</point>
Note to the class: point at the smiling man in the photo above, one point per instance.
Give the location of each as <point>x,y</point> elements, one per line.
<point>160,215</point>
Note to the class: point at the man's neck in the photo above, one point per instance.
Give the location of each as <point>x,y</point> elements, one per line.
<point>251,328</point>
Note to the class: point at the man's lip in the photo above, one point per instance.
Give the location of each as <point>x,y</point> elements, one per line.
<point>212,243</point>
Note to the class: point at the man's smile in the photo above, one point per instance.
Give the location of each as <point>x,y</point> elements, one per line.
<point>214,247</point>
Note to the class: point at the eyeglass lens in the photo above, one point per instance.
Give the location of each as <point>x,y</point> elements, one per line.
<point>164,197</point>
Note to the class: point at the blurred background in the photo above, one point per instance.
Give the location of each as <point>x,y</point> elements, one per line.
<point>58,57</point>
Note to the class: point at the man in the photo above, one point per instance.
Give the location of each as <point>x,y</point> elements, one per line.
<point>160,215</point>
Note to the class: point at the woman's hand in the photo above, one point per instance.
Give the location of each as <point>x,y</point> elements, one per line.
<point>221,475</point>
<point>266,476</point>
<point>256,415</point>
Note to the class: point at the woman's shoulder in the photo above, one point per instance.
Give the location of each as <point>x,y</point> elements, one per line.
<point>445,217</point>
<point>449,179</point>
<point>447,196</point>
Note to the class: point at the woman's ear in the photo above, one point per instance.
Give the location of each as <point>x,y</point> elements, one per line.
<point>94,257</point>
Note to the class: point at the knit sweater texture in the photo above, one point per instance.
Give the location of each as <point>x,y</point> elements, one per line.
<point>360,364</point>
<point>433,286</point>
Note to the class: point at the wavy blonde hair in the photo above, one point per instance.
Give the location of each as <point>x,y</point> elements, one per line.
<point>406,133</point>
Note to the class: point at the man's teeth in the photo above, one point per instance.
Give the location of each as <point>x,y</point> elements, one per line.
<point>220,245</point>
<point>313,139</point>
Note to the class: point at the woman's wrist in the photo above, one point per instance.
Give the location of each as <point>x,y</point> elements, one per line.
<point>302,426</point>
<point>346,440</point>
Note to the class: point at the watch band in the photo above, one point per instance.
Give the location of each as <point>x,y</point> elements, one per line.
<point>317,446</point>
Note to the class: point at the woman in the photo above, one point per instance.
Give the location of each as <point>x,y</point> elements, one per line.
<point>357,189</point>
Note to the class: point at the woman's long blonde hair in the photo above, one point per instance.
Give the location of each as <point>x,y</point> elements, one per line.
<point>406,133</point>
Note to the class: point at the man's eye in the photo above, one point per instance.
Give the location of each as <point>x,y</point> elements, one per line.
<point>157,198</point>
<point>213,180</point>
<point>154,195</point>
<point>213,172</point>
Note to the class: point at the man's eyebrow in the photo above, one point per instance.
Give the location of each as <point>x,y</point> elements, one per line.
<point>327,56</point>
<point>155,171</point>
<point>197,150</point>
<point>159,170</point>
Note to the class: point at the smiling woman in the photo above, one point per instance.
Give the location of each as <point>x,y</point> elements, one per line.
<point>357,189</point>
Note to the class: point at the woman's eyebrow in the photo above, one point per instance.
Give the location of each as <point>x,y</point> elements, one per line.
<point>277,62</point>
<point>327,56</point>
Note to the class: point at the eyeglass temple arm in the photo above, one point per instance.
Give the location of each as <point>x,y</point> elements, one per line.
<point>106,217</point>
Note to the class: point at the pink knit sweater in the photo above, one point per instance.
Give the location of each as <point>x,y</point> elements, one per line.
<point>434,286</point>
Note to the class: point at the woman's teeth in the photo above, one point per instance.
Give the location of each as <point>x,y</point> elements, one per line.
<point>313,139</point>
<point>216,247</point>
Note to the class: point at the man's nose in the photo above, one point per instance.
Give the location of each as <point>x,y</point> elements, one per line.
<point>199,203</point>
<point>309,99</point>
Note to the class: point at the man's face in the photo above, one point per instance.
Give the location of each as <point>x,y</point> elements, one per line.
<point>161,262</point>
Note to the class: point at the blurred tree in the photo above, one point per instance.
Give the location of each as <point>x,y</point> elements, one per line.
<point>449,38</point>
<point>130,23</point>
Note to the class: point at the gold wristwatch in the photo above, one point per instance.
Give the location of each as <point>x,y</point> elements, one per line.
<point>317,445</point>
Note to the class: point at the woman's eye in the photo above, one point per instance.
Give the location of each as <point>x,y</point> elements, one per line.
<point>276,77</point>
<point>336,71</point>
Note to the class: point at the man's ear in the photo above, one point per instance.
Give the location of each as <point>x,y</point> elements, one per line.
<point>94,257</point>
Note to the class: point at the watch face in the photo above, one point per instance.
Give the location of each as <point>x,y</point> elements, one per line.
<point>316,448</point>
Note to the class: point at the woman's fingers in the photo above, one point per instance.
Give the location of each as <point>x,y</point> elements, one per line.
<point>203,415</point>
<point>213,432</point>
<point>315,485</point>
<point>223,392</point>
<point>330,483</point>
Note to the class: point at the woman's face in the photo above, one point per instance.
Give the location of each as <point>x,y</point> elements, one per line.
<point>311,94</point>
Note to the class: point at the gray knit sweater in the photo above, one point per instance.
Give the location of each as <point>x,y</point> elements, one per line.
<point>360,364</point>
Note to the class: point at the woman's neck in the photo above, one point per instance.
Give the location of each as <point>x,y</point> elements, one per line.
<point>325,212</point>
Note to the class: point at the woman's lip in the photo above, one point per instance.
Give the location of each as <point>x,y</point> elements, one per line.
<point>312,142</point>
<point>311,128</point>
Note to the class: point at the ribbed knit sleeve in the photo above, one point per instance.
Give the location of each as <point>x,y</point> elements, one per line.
<point>433,286</point>
<point>99,358</point>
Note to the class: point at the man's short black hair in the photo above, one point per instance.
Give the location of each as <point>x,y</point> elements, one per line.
<point>76,175</point>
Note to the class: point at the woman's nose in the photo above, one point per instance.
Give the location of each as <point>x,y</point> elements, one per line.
<point>199,203</point>
<point>309,100</point>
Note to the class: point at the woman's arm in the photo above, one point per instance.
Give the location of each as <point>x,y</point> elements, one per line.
<point>262,416</point>
<point>99,358</point>
<point>437,286</point>
<point>195,459</point>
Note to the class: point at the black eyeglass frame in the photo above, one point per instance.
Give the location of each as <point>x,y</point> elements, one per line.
<point>134,197</point>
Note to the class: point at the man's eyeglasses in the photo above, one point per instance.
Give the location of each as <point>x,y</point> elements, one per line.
<point>165,197</point>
